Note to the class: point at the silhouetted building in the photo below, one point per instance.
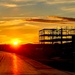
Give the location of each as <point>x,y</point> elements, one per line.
<point>73,39</point>
<point>57,36</point>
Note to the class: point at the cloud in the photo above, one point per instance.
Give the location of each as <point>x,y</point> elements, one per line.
<point>53,19</point>
<point>64,18</point>
<point>16,3</point>
<point>1,22</point>
<point>21,0</point>
<point>32,26</point>
<point>32,22</point>
<point>8,5</point>
<point>16,24</point>
<point>47,1</point>
<point>59,1</point>
<point>11,24</point>
<point>44,20</point>
<point>19,3</point>
<point>70,9</point>
<point>29,0</point>
<point>3,36</point>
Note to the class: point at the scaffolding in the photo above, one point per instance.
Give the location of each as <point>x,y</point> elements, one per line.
<point>53,36</point>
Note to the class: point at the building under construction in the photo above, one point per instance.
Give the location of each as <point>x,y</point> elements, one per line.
<point>57,36</point>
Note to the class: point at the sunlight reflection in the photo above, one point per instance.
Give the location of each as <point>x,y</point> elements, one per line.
<point>15,67</point>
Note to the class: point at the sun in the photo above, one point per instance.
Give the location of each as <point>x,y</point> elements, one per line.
<point>15,42</point>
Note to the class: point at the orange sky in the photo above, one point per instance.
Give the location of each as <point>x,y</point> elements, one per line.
<point>22,19</point>
<point>27,29</point>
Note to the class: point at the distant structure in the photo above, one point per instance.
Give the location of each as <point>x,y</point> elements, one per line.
<point>57,36</point>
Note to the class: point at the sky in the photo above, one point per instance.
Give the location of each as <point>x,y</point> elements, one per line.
<point>22,19</point>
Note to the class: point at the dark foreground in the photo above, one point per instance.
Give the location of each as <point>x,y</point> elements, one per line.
<point>59,63</point>
<point>12,64</point>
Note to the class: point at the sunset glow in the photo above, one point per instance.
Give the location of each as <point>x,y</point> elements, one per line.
<point>24,18</point>
<point>15,42</point>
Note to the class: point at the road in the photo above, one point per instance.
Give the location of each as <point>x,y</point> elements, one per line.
<point>12,64</point>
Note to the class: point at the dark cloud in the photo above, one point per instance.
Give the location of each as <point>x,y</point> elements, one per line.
<point>66,18</point>
<point>56,19</point>
<point>45,21</point>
